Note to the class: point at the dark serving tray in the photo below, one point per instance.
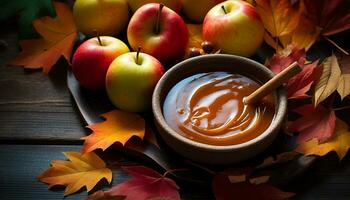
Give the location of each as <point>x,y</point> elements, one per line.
<point>91,104</point>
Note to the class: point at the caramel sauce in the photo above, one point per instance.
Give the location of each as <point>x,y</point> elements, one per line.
<point>208,108</point>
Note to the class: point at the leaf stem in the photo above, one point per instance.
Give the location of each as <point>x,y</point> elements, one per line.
<point>336,45</point>
<point>341,108</point>
<point>172,171</point>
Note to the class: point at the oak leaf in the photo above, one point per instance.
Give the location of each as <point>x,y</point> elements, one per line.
<point>340,142</point>
<point>58,37</point>
<point>299,85</point>
<point>81,170</point>
<point>146,184</point>
<point>250,189</point>
<point>329,80</point>
<point>119,126</point>
<point>315,123</point>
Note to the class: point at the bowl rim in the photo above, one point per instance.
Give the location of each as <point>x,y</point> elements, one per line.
<point>159,117</point>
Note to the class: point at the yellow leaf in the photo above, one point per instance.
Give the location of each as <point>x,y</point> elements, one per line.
<point>81,170</point>
<point>328,81</point>
<point>119,126</point>
<point>344,85</point>
<point>280,17</point>
<point>340,143</point>
<point>344,82</point>
<point>195,34</point>
<point>58,37</point>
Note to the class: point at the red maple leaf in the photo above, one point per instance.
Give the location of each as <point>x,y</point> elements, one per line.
<point>224,189</point>
<point>145,184</point>
<point>331,16</point>
<point>316,123</point>
<point>301,83</point>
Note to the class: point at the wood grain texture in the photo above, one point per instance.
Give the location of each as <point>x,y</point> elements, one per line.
<point>32,105</point>
<point>21,164</point>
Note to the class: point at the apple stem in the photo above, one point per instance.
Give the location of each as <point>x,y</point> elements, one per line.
<point>158,18</point>
<point>98,37</point>
<point>137,55</point>
<point>223,8</point>
<point>99,40</point>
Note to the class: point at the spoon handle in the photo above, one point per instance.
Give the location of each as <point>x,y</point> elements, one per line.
<point>273,83</point>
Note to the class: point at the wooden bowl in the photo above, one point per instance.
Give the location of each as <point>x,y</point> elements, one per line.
<point>206,153</point>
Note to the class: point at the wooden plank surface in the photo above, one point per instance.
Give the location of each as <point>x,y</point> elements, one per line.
<point>32,105</point>
<point>21,164</point>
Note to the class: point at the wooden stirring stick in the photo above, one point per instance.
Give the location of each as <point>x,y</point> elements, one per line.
<point>273,83</point>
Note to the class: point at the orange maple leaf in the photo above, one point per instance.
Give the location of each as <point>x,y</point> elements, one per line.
<point>59,35</point>
<point>119,126</point>
<point>195,37</point>
<point>81,170</point>
<point>340,142</point>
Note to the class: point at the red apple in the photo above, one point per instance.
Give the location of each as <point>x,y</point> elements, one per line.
<point>92,59</point>
<point>131,79</point>
<point>160,31</point>
<point>234,27</point>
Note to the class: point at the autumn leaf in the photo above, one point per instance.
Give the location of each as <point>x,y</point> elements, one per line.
<point>279,16</point>
<point>119,126</point>
<point>330,16</point>
<point>195,37</point>
<point>340,142</point>
<point>315,123</point>
<point>344,81</point>
<point>224,189</point>
<point>58,37</point>
<point>283,59</point>
<point>298,85</point>
<point>146,184</point>
<point>303,36</point>
<point>329,80</point>
<point>81,170</point>
<point>280,158</point>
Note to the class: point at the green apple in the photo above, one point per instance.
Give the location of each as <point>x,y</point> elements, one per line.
<point>234,27</point>
<point>131,79</point>
<point>175,5</point>
<point>106,17</point>
<point>197,12</point>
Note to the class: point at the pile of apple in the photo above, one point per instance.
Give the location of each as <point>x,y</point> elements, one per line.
<point>158,31</point>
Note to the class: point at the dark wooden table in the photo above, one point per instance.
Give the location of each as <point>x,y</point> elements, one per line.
<point>39,121</point>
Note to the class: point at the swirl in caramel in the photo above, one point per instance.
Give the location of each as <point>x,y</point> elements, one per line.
<point>208,108</point>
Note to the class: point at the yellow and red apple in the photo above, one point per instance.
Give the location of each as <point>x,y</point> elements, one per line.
<point>160,32</point>
<point>131,79</point>
<point>234,27</point>
<point>197,13</point>
<point>102,17</point>
<point>92,59</point>
<point>175,5</point>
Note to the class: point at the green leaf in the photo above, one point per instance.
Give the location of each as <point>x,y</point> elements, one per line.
<point>25,11</point>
